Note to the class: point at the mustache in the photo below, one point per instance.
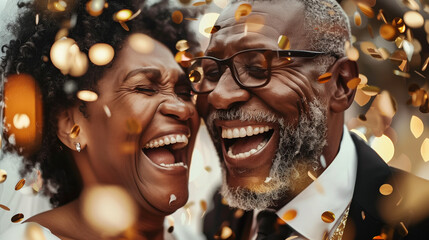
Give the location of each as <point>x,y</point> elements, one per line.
<point>237,113</point>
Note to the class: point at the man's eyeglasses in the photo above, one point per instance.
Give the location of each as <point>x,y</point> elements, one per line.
<point>250,68</point>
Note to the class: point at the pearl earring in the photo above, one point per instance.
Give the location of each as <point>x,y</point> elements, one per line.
<point>78,149</point>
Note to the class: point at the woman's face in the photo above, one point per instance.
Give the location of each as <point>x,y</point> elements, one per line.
<point>141,131</point>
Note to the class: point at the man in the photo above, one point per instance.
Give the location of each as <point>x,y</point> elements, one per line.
<point>280,132</point>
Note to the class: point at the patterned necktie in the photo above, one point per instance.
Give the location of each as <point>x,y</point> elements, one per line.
<point>268,227</point>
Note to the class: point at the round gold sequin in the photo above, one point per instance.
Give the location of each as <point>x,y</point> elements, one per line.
<point>388,32</point>
<point>289,215</point>
<point>93,8</point>
<point>242,11</point>
<point>74,132</point>
<point>283,42</point>
<point>177,17</point>
<point>328,216</point>
<point>20,184</point>
<point>370,90</point>
<point>101,54</point>
<point>325,77</point>
<point>352,84</point>
<point>414,19</point>
<point>226,232</point>
<point>367,10</point>
<point>141,43</point>
<point>122,15</point>
<point>17,218</point>
<point>386,189</point>
<point>87,96</point>
<point>182,45</point>
<point>4,207</point>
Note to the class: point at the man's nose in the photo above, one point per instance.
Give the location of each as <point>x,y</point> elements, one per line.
<point>227,92</point>
<point>176,108</point>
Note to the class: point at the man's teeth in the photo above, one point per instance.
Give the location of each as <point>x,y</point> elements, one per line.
<point>246,154</point>
<point>230,133</point>
<point>175,165</point>
<point>167,140</point>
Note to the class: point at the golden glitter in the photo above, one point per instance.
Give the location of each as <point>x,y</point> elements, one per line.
<point>363,215</point>
<point>384,146</point>
<point>404,229</point>
<point>60,54</point>
<point>34,231</point>
<point>196,4</point>
<point>399,24</point>
<point>413,19</point>
<point>182,45</point>
<point>107,111</point>
<point>353,83</point>
<point>74,132</point>
<point>183,58</point>
<point>203,205</point>
<point>212,30</point>
<point>283,42</point>
<point>87,96</point>
<point>388,32</point>
<point>238,213</point>
<point>291,237</point>
<point>124,26</point>
<point>20,184</point>
<point>101,54</point>
<point>224,202</point>
<point>386,189</point>
<point>328,216</point>
<point>416,126</point>
<point>399,40</point>
<point>370,90</point>
<point>57,5</point>
<point>401,74</point>
<point>226,232</point>
<point>358,19</point>
<point>425,65</point>
<point>208,168</point>
<point>141,43</point>
<point>289,215</point>
<point>367,10</point>
<point>424,150</point>
<point>133,126</point>
<point>17,218</point>
<point>21,121</point>
<point>95,7</point>
<point>122,15</point>
<point>4,207</point>
<point>242,11</point>
<point>177,17</point>
<point>191,19</point>
<point>325,77</point>
<point>380,16</point>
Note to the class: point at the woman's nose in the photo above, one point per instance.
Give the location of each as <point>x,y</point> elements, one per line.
<point>176,108</point>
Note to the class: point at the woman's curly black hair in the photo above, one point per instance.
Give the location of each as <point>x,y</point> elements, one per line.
<point>28,53</point>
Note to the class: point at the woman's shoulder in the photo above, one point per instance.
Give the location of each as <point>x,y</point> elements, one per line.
<point>28,230</point>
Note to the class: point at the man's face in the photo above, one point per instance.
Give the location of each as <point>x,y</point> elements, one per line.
<point>267,137</point>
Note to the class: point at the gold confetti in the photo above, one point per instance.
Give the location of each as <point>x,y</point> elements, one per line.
<point>384,147</point>
<point>135,15</point>
<point>196,4</point>
<point>57,6</point>
<point>370,90</point>
<point>399,41</point>
<point>418,73</point>
<point>413,19</point>
<point>226,232</point>
<point>122,15</point>
<point>21,121</point>
<point>367,10</point>
<point>358,19</point>
<point>380,16</point>
<point>411,4</point>
<point>224,202</point>
<point>182,45</point>
<point>4,207</point>
<point>289,215</point>
<point>20,184</point>
<point>242,11</point>
<point>351,52</point>
<point>101,54</point>
<point>404,229</point>
<point>291,237</point>
<point>184,58</point>
<point>399,24</point>
<point>95,7</point>
<point>133,126</point>
<point>361,98</point>
<point>37,19</point>
<point>74,132</point>
<point>386,189</point>
<point>87,96</point>
<point>425,64</point>
<point>33,231</point>
<point>107,111</point>
<point>283,42</point>
<point>353,83</point>
<point>207,22</point>
<point>364,46</point>
<point>141,43</point>
<point>191,19</point>
<point>401,74</point>
<point>177,17</point>
<point>124,26</point>
<point>328,216</point>
<point>17,218</point>
<point>418,97</point>
<point>325,77</point>
<point>416,126</point>
<point>208,168</point>
<point>388,32</point>
<point>424,150</point>
<point>363,215</point>
<point>382,236</point>
<point>203,205</point>
<point>238,213</point>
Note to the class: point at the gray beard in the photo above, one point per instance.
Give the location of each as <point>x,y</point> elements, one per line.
<point>299,151</point>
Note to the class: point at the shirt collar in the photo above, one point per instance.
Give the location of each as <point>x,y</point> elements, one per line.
<point>337,183</point>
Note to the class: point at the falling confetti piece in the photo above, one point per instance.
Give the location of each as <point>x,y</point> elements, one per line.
<point>380,16</point>
<point>122,15</point>
<point>196,4</point>
<point>87,96</point>
<point>20,184</point>
<point>401,74</point>
<point>358,19</point>
<point>226,232</point>
<point>367,10</point>
<point>386,189</point>
<point>382,236</point>
<point>291,237</point>
<point>208,168</point>
<point>95,7</point>
<point>425,65</point>
<point>107,111</point>
<point>184,58</point>
<point>21,121</point>
<point>203,205</point>
<point>242,11</point>
<point>101,54</point>
<point>135,15</point>
<point>363,215</point>
<point>191,19</point>
<point>238,213</point>
<point>325,77</point>
<point>283,42</point>
<point>384,147</point>
<point>413,19</point>
<point>4,207</point>
<point>416,126</point>
<point>177,17</point>
<point>328,216</point>
<point>133,126</point>
<point>289,215</point>
<point>124,26</point>
<point>37,19</point>
<point>182,45</point>
<point>370,90</point>
<point>353,83</point>
<point>388,32</point>
<point>34,231</point>
<point>404,229</point>
<point>141,43</point>
<point>411,4</point>
<point>74,132</point>
<point>424,150</point>
<point>207,21</point>
<point>267,180</point>
<point>172,199</point>
<point>17,218</point>
<point>399,24</point>
<point>323,161</point>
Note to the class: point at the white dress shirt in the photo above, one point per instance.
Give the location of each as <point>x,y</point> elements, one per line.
<point>332,192</point>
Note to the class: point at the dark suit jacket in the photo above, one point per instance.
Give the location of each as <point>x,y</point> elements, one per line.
<point>403,214</point>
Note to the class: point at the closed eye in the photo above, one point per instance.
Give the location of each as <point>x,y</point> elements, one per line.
<point>145,90</point>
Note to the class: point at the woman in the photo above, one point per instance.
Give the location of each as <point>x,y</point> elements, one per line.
<point>137,135</point>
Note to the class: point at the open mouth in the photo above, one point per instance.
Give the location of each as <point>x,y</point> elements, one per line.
<point>244,142</point>
<point>168,151</point>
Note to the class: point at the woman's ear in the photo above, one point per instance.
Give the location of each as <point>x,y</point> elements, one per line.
<point>343,71</point>
<point>69,131</point>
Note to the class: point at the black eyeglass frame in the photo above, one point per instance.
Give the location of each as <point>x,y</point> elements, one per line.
<point>272,52</point>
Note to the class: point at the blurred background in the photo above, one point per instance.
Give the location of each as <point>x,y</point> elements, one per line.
<point>391,45</point>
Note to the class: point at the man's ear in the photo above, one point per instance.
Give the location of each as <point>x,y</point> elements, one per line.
<point>342,96</point>
<point>67,123</point>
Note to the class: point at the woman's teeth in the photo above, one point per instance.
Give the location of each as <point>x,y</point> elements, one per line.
<point>174,164</point>
<point>173,140</point>
<point>231,133</point>
<point>246,154</point>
